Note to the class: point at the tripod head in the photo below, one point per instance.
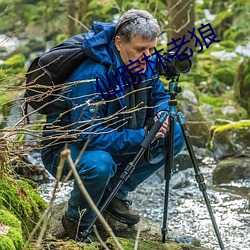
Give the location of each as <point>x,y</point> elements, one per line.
<point>174,89</point>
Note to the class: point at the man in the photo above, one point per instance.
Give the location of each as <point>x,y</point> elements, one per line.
<point>111,129</point>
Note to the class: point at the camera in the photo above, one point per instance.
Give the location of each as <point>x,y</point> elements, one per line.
<point>174,65</point>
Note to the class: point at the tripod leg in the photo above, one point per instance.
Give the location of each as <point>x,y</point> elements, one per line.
<point>199,177</point>
<point>168,173</point>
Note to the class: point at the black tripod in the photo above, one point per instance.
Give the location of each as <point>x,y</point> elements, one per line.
<point>173,90</point>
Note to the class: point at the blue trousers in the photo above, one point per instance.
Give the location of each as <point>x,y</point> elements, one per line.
<point>100,170</point>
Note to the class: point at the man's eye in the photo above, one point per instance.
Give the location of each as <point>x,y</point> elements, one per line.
<point>139,50</point>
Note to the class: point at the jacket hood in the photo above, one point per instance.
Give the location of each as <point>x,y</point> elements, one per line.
<point>98,42</point>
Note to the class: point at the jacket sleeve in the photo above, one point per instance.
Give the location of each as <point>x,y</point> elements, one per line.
<point>160,96</point>
<point>88,119</point>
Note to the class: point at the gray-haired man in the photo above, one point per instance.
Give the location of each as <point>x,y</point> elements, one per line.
<point>113,130</point>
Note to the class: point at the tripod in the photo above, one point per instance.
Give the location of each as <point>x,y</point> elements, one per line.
<point>169,163</point>
<point>173,90</point>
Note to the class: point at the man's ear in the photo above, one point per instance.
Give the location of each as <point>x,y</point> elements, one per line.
<point>118,43</point>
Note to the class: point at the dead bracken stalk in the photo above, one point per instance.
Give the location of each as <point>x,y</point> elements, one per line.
<point>67,155</point>
<point>138,236</point>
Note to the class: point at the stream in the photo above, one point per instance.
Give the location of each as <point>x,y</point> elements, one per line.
<point>187,212</point>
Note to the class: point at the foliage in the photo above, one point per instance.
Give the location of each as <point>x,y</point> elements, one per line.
<point>230,20</point>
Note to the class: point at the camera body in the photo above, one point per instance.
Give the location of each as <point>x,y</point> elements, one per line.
<point>174,65</point>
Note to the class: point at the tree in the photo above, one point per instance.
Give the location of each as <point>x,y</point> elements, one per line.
<point>180,20</point>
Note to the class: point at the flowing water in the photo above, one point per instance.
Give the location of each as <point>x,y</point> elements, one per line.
<point>187,212</point>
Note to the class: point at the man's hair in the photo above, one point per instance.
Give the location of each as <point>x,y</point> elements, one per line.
<point>137,22</point>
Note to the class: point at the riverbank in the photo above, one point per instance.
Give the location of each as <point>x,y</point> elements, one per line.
<point>188,215</point>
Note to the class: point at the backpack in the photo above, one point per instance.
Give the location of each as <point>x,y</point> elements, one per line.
<point>48,73</point>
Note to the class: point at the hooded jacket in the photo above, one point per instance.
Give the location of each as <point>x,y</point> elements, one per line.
<point>82,115</point>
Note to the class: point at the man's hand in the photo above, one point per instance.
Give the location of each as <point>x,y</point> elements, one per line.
<point>164,128</point>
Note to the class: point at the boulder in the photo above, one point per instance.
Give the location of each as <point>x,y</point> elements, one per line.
<point>231,169</point>
<point>231,139</point>
<point>150,235</point>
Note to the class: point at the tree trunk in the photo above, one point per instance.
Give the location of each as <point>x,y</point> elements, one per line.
<point>72,13</point>
<point>181,19</point>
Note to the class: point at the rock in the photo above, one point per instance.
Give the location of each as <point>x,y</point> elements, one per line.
<point>229,140</point>
<point>197,125</point>
<point>181,179</point>
<point>231,169</point>
<point>149,238</point>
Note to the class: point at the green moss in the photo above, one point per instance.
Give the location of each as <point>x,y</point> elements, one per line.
<point>212,100</point>
<point>16,237</point>
<point>239,128</point>
<point>22,200</point>
<point>236,125</point>
<point>9,219</point>
<point>16,61</point>
<point>13,239</point>
<point>128,244</point>
<point>6,243</point>
<point>225,75</point>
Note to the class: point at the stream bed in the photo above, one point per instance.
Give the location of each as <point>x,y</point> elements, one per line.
<point>187,212</point>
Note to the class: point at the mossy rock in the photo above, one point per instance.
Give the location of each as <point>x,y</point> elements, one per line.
<point>232,139</point>
<point>10,231</point>
<point>231,169</point>
<point>22,200</point>
<point>128,244</point>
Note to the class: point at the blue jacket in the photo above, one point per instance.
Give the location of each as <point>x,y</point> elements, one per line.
<point>89,116</point>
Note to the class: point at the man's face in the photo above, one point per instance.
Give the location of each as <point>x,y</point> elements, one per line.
<point>134,51</point>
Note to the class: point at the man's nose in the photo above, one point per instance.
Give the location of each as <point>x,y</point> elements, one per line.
<point>147,52</point>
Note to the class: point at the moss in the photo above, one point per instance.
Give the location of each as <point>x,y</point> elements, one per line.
<point>236,125</point>
<point>9,219</point>
<point>16,237</point>
<point>128,244</point>
<point>22,200</point>
<point>225,75</point>
<point>13,239</point>
<point>16,61</point>
<point>6,243</point>
<point>221,132</point>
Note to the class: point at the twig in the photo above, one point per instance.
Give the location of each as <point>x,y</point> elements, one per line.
<point>99,238</point>
<point>66,154</point>
<point>137,236</point>
<point>77,21</point>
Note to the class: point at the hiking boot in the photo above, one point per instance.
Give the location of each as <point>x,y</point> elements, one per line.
<point>121,211</point>
<point>75,231</point>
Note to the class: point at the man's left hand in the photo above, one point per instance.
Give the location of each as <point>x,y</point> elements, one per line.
<point>164,128</point>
